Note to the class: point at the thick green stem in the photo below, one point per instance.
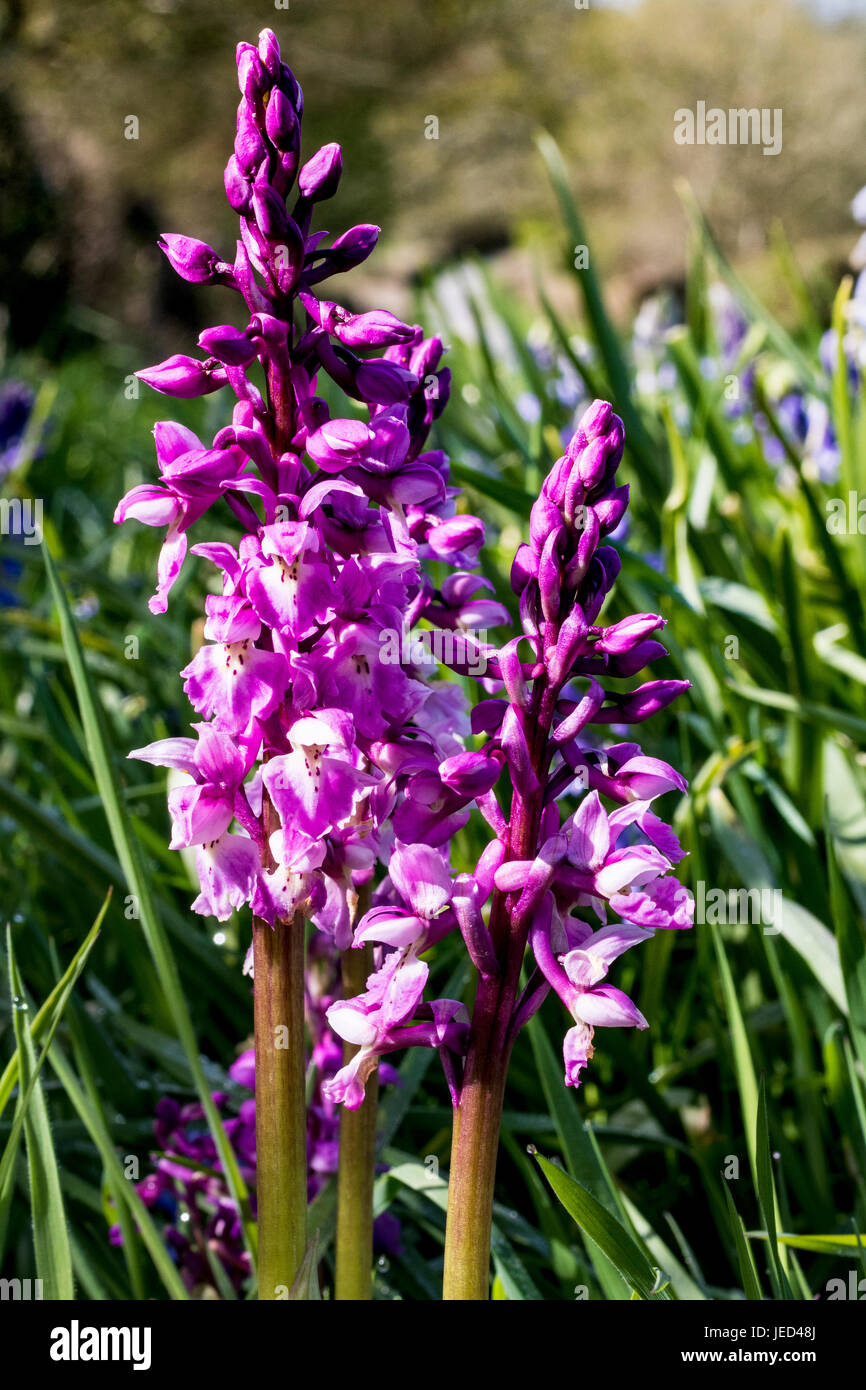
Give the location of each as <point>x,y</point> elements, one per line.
<point>474,1149</point>
<point>281,1120</point>
<point>354,1279</point>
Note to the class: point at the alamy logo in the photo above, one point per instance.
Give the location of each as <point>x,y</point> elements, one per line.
<point>715,907</point>
<point>22,517</point>
<point>17,1289</point>
<point>466,650</point>
<point>737,126</point>
<point>76,1343</point>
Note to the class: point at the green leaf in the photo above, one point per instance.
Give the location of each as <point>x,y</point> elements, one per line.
<point>747,1082</point>
<point>492,485</point>
<point>603,331</point>
<point>852,951</point>
<point>745,1258</point>
<point>58,999</point>
<point>612,1238</point>
<point>46,1014</point>
<point>306,1282</point>
<point>50,1234</point>
<point>511,1272</point>
<point>137,879</point>
<point>818,947</point>
<point>577,1148</point>
<point>840,658</point>
<point>801,709</point>
<point>767,1195</point>
<point>95,1127</point>
<point>681,1281</point>
<point>738,598</point>
<point>843,1245</point>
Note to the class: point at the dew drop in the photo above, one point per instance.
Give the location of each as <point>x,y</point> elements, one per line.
<point>531,1149</point>
<point>19,1003</point>
<point>383,1264</point>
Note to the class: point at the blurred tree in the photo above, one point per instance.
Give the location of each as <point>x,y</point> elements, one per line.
<point>606,81</point>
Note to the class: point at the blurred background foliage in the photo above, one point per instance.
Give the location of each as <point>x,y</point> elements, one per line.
<point>84,204</point>
<point>728,539</point>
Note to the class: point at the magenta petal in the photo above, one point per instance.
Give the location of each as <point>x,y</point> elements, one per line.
<point>590,838</point>
<point>577,1050</point>
<point>227,871</point>
<point>168,752</point>
<point>150,504</point>
<point>607,1007</point>
<point>171,558</point>
<point>198,814</point>
<point>422,877</point>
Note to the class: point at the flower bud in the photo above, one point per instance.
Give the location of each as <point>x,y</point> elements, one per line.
<point>338,442</point>
<point>281,122</point>
<point>426,357</point>
<point>269,51</point>
<point>596,447</point>
<point>250,148</point>
<point>272,219</point>
<point>550,576</point>
<point>375,329</point>
<point>193,260</point>
<point>591,462</point>
<point>611,509</point>
<point>237,186</point>
<point>291,87</point>
<point>555,483</point>
<point>252,78</point>
<point>470,774</point>
<point>593,423</point>
<point>626,634</point>
<point>349,250</point>
<point>382,383</point>
<point>461,535</point>
<point>640,704</point>
<point>570,645</point>
<point>524,568</point>
<point>320,176</point>
<point>641,655</point>
<point>287,166</point>
<point>545,520</point>
<point>587,542</point>
<point>185,377</point>
<point>602,572</point>
<point>228,345</point>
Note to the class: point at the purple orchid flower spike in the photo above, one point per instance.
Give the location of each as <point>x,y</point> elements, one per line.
<point>314,734</point>
<point>542,875</point>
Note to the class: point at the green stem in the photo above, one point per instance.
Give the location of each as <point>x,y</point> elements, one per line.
<point>474,1149</point>
<point>281,1120</point>
<point>354,1278</point>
